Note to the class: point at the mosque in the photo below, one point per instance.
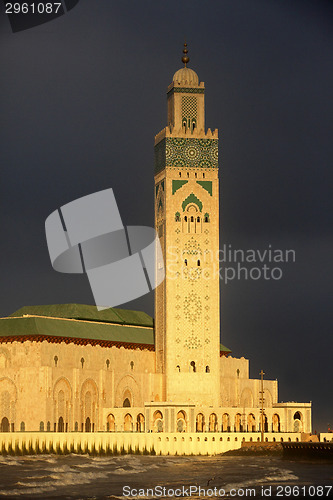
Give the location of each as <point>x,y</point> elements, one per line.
<point>70,367</point>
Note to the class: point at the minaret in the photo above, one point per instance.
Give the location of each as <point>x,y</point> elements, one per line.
<point>187,322</point>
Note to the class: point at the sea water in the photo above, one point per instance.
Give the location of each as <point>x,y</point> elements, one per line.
<point>132,476</point>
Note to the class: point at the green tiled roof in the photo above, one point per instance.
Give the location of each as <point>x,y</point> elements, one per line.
<point>84,330</point>
<point>89,313</point>
<point>223,348</point>
<point>110,326</point>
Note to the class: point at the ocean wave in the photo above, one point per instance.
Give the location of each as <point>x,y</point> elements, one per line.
<point>54,482</point>
<point>282,475</point>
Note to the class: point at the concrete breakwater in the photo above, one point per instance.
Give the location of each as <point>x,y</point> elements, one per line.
<point>319,450</point>
<point>210,443</point>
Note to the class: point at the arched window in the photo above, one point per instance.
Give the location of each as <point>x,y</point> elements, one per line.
<point>180,174</point>
<point>207,369</point>
<point>107,364</point>
<point>203,175</point>
<point>87,426</point>
<point>195,175</point>
<point>41,426</point>
<point>225,422</point>
<point>111,423</point>
<point>140,423</point>
<point>198,263</point>
<point>158,421</point>
<point>297,416</point>
<point>200,423</point>
<point>185,261</point>
<point>206,218</point>
<point>55,360</point>
<point>126,403</point>
<point>188,174</point>
<point>192,364</point>
<point>76,426</point>
<point>181,421</point>
<point>192,218</point>
<point>238,372</point>
<point>82,362</point>
<point>132,365</point>
<point>177,217</point>
<point>61,425</point>
<point>22,427</point>
<point>178,368</point>
<point>185,218</point>
<point>4,427</point>
<point>238,423</point>
<point>213,425</point>
<point>198,219</point>
<point>276,423</point>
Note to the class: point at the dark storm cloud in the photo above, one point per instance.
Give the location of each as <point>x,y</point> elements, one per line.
<point>82,98</point>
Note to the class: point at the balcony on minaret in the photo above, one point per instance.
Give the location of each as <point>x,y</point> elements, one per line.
<point>186,103</point>
<point>186,108</point>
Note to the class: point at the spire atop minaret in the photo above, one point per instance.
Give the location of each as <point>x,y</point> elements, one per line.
<point>185,58</point>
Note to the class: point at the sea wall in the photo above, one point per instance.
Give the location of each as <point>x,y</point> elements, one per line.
<point>210,443</point>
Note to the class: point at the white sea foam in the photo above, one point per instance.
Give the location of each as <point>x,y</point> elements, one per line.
<point>281,475</point>
<point>66,478</point>
<point>120,470</point>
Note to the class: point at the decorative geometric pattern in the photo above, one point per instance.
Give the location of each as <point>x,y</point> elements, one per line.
<point>189,107</point>
<point>185,90</point>
<point>192,199</point>
<point>179,152</point>
<point>208,185</point>
<point>192,342</point>
<point>192,307</point>
<point>192,273</point>
<point>160,184</point>
<point>177,184</point>
<point>192,247</point>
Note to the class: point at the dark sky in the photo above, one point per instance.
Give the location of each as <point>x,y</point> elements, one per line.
<point>81,100</point>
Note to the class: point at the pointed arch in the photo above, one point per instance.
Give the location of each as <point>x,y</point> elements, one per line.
<point>62,401</point>
<point>111,423</point>
<point>181,421</point>
<point>192,199</point>
<point>200,422</point>
<point>89,405</point>
<point>246,399</point>
<point>127,383</point>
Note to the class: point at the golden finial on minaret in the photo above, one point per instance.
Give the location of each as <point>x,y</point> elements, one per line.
<point>185,58</point>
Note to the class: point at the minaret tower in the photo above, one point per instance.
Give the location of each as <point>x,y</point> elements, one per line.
<point>187,322</point>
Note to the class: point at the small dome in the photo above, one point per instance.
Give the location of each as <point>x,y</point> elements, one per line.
<point>186,76</point>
